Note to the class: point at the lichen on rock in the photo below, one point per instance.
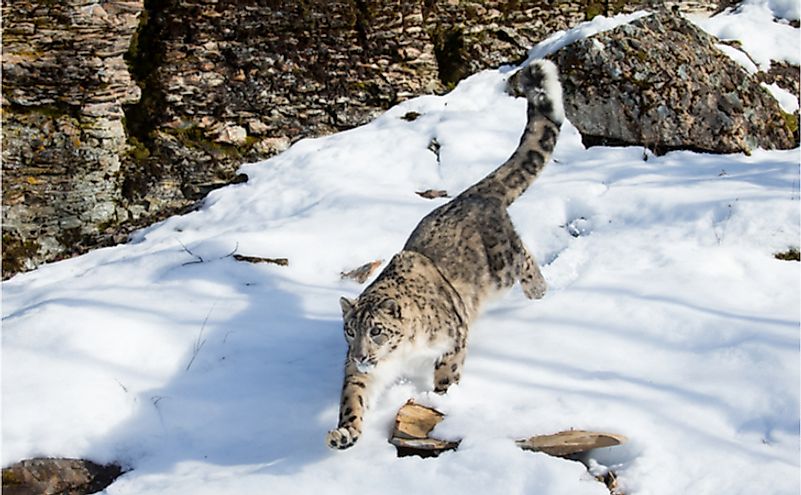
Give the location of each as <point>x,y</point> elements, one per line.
<point>660,82</point>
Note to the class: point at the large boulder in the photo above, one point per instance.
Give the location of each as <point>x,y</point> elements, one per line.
<point>660,82</point>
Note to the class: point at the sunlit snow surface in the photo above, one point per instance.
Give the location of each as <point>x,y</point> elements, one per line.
<point>668,320</point>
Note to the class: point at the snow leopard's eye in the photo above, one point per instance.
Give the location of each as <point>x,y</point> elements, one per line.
<point>375,332</point>
<point>349,332</point>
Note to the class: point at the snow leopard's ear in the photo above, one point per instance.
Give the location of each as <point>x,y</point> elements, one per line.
<point>390,306</point>
<point>347,306</point>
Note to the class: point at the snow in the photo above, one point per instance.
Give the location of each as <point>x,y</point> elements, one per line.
<point>598,24</point>
<point>755,25</point>
<point>787,101</point>
<point>668,320</point>
<point>783,9</point>
<point>738,56</point>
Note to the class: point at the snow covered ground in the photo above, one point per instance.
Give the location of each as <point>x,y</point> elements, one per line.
<point>668,320</point>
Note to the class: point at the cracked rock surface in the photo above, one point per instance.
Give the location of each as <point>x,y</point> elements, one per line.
<point>660,82</point>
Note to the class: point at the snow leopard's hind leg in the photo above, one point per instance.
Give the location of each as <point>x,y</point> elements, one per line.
<point>531,280</point>
<point>527,272</point>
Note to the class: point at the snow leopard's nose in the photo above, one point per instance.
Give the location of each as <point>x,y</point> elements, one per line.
<point>363,364</point>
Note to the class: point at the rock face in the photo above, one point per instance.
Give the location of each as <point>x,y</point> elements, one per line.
<point>661,83</point>
<point>243,79</point>
<point>64,84</point>
<point>222,82</point>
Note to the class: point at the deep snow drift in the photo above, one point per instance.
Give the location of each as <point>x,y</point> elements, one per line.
<point>668,320</point>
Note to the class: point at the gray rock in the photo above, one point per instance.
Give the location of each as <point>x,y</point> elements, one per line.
<point>64,86</point>
<point>58,477</point>
<point>661,83</point>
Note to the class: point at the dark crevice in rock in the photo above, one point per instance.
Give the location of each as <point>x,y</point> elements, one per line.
<point>362,24</point>
<point>451,54</point>
<point>657,149</point>
<point>144,57</point>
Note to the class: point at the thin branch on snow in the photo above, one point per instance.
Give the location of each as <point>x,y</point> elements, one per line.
<point>232,253</point>
<point>199,258</point>
<point>200,340</point>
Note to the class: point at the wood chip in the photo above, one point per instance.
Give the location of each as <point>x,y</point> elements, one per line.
<point>432,193</point>
<point>258,259</point>
<point>412,426</point>
<point>414,422</point>
<point>570,442</point>
<point>362,273</point>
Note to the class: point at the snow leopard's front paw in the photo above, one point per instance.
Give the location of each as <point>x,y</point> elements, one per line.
<point>342,438</point>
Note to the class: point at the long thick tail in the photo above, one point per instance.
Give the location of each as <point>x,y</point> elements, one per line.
<point>539,81</point>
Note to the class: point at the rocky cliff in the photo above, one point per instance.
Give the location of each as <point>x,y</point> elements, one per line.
<point>118,113</point>
<point>64,142</point>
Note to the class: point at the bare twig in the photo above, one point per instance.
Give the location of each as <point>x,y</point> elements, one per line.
<point>200,340</point>
<point>232,253</point>
<point>723,223</point>
<point>124,388</point>
<point>155,401</point>
<point>199,259</point>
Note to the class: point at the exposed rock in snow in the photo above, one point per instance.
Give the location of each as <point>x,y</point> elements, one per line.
<point>662,83</point>
<point>58,476</point>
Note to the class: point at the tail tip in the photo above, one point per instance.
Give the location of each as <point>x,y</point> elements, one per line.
<point>540,83</point>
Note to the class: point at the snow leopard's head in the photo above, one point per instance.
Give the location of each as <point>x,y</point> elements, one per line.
<point>373,329</point>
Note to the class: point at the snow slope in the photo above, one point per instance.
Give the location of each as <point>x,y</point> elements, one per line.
<point>763,37</point>
<point>668,320</point>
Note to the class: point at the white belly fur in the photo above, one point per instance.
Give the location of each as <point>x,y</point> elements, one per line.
<point>412,361</point>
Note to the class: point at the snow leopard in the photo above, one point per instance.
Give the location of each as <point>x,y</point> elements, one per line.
<point>420,306</point>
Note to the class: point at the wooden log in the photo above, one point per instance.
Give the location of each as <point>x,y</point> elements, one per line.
<point>571,442</point>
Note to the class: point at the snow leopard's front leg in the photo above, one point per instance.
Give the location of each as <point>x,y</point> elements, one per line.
<point>448,369</point>
<point>355,393</point>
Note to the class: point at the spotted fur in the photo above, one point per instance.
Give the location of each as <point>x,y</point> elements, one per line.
<point>420,306</point>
